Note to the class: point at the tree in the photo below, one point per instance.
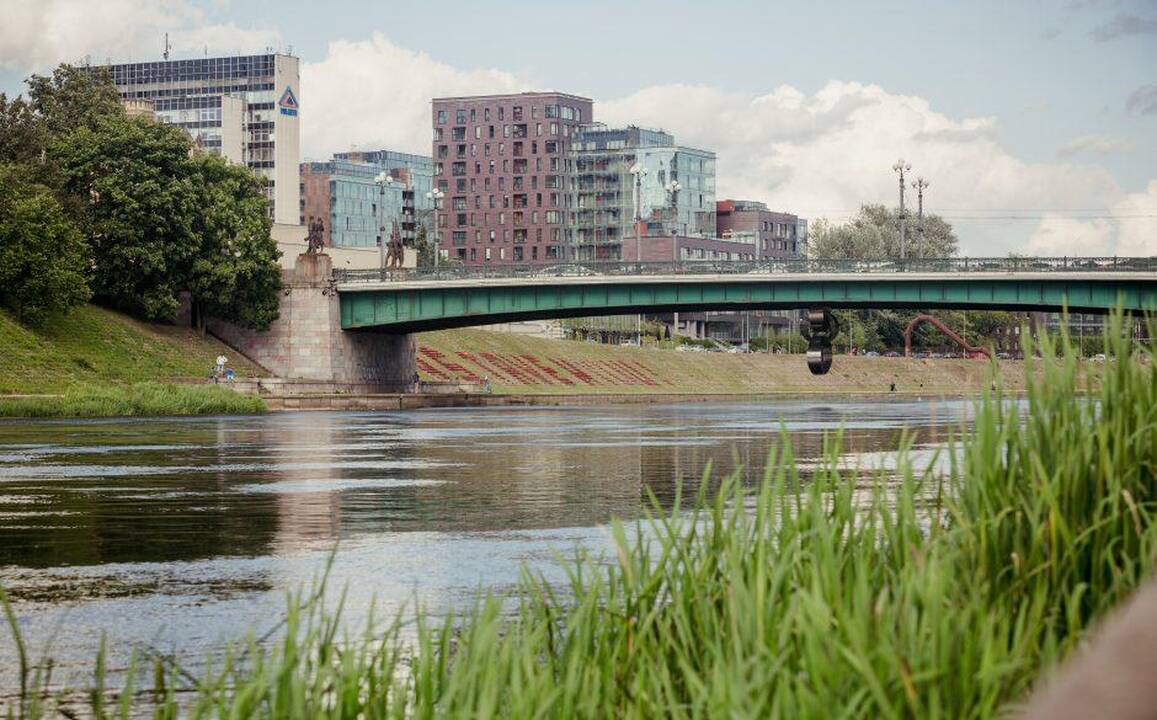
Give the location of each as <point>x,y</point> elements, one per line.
<point>234,275</point>
<point>42,253</point>
<point>427,250</point>
<point>875,234</point>
<point>134,181</point>
<point>23,133</point>
<point>73,98</point>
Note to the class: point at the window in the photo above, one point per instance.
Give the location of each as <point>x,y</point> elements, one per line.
<point>486,117</point>
<point>458,133</point>
<point>500,112</point>
<point>552,217</point>
<point>459,238</point>
<point>516,113</point>
<point>551,147</point>
<point>477,132</point>
<point>534,112</point>
<point>534,252</point>
<point>518,254</point>
<point>441,119</point>
<point>460,117</point>
<point>437,134</point>
<point>472,117</point>
<point>505,131</point>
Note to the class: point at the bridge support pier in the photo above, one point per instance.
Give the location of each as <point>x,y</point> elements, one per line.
<point>824,328</point>
<point>307,341</point>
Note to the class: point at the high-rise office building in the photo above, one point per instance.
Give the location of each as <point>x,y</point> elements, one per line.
<point>503,166</point>
<point>244,108</point>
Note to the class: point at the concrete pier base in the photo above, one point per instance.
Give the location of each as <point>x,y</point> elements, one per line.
<point>306,342</point>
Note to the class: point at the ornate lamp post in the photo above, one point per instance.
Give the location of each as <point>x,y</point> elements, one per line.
<point>902,167</point>
<point>639,172</point>
<point>435,196</point>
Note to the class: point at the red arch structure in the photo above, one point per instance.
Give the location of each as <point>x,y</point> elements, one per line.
<point>970,349</point>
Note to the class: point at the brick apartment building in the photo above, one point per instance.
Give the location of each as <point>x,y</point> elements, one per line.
<point>503,164</point>
<point>775,234</point>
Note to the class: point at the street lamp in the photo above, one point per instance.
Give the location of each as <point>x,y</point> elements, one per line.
<point>435,197</point>
<point>382,179</point>
<point>902,167</point>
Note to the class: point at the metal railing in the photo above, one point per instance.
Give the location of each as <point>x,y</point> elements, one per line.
<point>753,267</point>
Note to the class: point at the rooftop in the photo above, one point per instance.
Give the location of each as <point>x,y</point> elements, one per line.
<point>513,96</point>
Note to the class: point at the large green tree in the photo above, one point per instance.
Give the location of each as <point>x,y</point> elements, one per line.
<point>74,97</point>
<point>875,234</point>
<point>42,253</point>
<point>139,194</point>
<point>234,274</point>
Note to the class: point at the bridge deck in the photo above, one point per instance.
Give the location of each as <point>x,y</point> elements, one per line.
<point>414,305</point>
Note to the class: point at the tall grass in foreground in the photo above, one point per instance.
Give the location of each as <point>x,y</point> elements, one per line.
<point>941,597</point>
<point>141,399</point>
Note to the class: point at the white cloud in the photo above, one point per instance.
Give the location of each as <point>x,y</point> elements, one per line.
<point>1098,144</point>
<point>823,155</point>
<point>36,35</point>
<point>1128,229</point>
<point>373,93</point>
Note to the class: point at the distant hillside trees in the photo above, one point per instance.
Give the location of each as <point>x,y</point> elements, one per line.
<point>153,217</point>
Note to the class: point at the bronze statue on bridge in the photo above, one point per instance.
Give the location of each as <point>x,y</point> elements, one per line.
<point>315,240</point>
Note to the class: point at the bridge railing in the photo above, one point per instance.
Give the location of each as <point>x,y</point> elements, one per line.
<point>753,267</point>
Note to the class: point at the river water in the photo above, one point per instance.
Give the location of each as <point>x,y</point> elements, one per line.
<point>182,534</point>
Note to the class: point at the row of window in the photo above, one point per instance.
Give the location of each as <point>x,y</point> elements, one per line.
<point>564,112</point>
<point>550,252</point>
<point>459,202</point>
<point>517,217</point>
<point>550,147</point>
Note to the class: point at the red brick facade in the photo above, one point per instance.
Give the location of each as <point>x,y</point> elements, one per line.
<point>503,163</point>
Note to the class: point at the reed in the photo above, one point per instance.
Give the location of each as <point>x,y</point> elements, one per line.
<point>835,595</point>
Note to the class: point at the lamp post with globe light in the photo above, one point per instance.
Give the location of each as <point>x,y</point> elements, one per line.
<point>435,197</point>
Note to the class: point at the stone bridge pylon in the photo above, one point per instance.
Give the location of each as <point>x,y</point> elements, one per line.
<point>307,342</point>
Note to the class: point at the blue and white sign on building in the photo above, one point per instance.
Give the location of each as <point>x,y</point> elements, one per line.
<point>288,102</point>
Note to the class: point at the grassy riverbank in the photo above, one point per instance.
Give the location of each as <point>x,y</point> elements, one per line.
<point>95,362</point>
<point>522,365</point>
<point>92,346</point>
<point>835,594</point>
<point>136,400</point>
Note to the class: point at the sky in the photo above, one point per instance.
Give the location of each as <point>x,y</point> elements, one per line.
<point>1034,121</point>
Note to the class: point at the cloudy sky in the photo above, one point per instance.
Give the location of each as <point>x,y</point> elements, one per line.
<point>1034,120</point>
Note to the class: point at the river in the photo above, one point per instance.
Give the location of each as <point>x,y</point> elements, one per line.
<point>182,534</point>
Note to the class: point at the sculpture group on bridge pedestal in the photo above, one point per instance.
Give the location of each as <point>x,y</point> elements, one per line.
<point>315,240</point>
<point>395,251</point>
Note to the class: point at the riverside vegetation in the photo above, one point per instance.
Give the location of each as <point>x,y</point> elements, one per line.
<point>919,593</point>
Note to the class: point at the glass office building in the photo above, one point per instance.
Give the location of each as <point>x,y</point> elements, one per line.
<point>356,209</point>
<point>244,108</point>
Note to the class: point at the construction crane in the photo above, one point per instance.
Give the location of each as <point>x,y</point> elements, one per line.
<point>971,350</point>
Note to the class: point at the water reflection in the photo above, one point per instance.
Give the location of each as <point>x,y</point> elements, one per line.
<point>186,532</point>
<point>92,493</point>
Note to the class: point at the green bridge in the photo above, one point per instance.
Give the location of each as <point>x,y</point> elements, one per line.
<point>405,302</point>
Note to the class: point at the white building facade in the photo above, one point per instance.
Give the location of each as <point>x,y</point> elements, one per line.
<point>245,108</point>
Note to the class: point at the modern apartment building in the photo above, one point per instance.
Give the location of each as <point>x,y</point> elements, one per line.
<point>776,234</point>
<point>503,166</point>
<point>355,206</point>
<point>244,108</point>
<point>676,190</point>
<point>411,176</point>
